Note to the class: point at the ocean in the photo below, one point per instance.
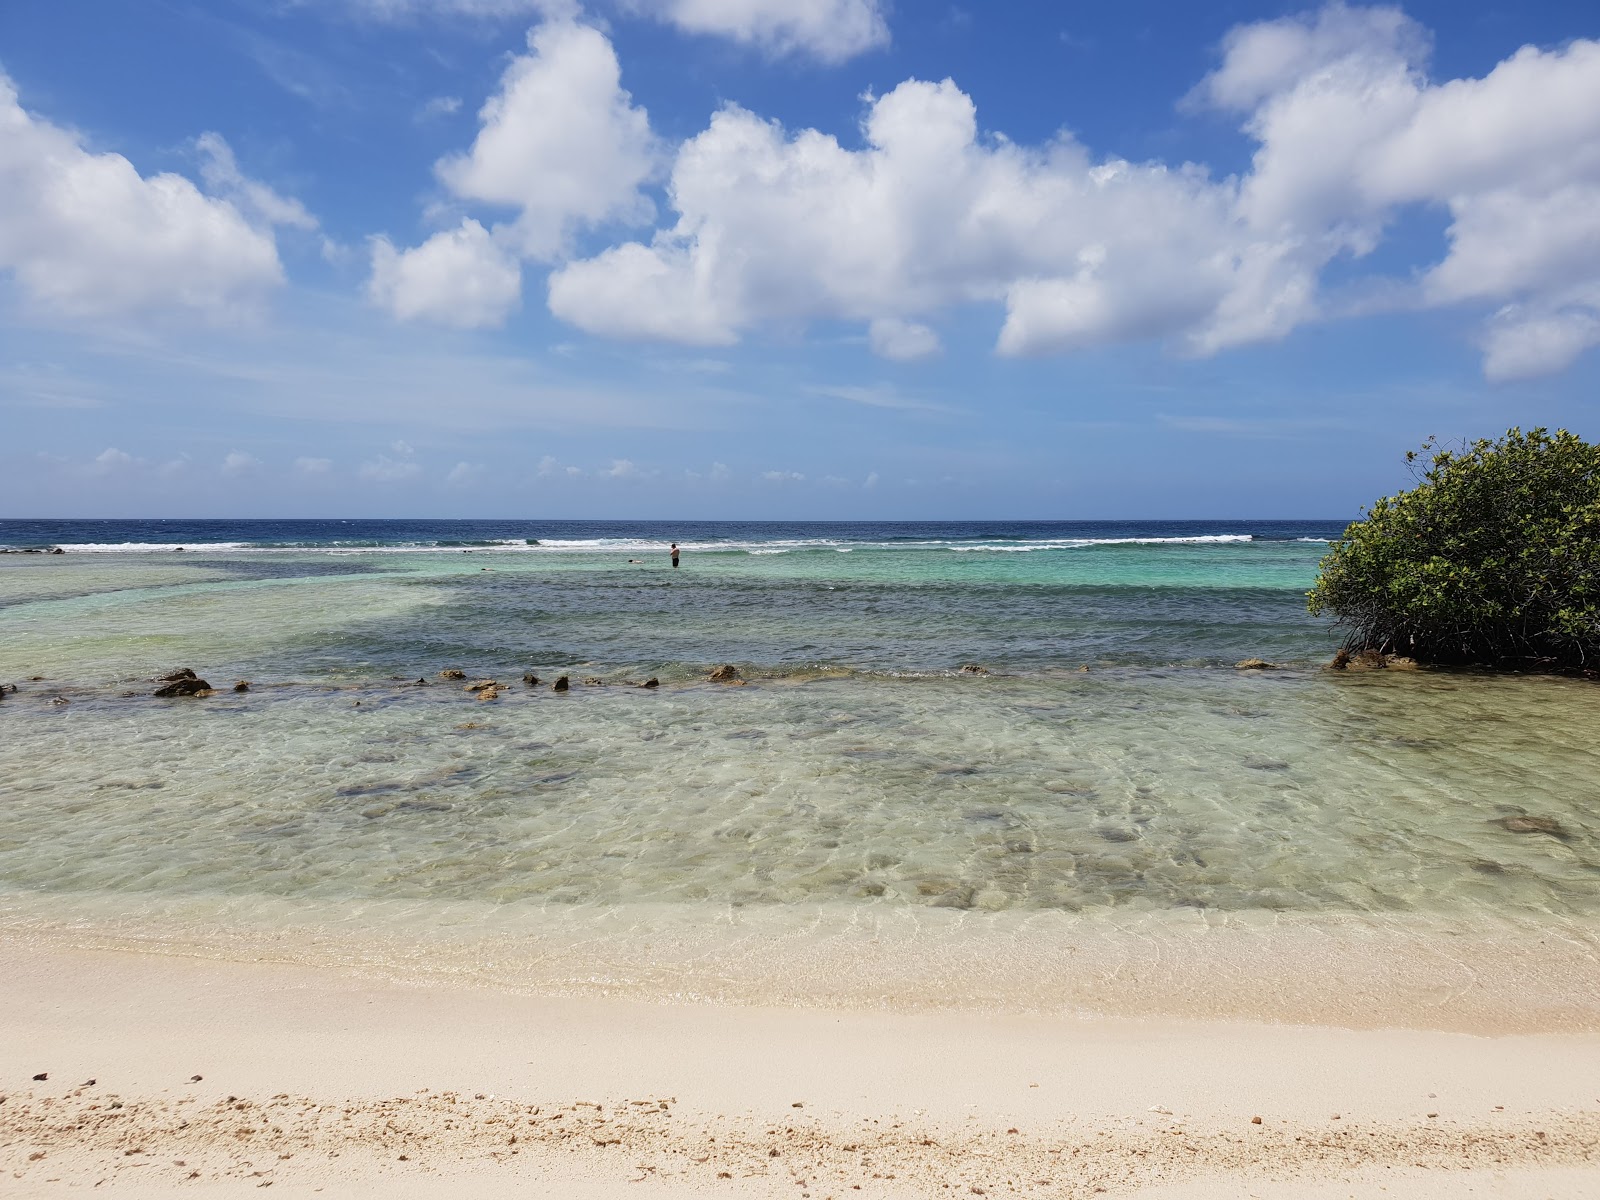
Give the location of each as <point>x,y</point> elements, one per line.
<point>955,749</point>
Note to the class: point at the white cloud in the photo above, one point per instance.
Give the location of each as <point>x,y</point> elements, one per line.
<point>313,466</point>
<point>562,145</point>
<point>561,141</point>
<point>221,173</point>
<point>86,235</point>
<point>459,277</point>
<point>239,463</point>
<point>111,459</point>
<point>465,474</point>
<point>830,30</point>
<point>903,341</point>
<point>624,468</point>
<point>439,106</point>
<point>775,227</point>
<point>783,476</point>
<point>384,469</point>
<point>871,480</point>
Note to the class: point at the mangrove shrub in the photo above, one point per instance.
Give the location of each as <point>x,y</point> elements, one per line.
<point>1492,559</point>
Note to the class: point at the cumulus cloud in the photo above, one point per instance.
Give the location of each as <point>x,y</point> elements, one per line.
<point>783,476</point>
<point>779,226</point>
<point>903,341</point>
<point>313,466</point>
<point>460,277</point>
<point>830,30</point>
<point>111,459</point>
<point>465,474</point>
<point>239,463</point>
<point>85,234</point>
<point>562,146</point>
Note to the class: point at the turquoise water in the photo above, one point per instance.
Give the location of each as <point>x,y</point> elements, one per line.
<point>1110,761</point>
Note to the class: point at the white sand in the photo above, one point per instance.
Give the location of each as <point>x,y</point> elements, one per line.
<point>334,1079</point>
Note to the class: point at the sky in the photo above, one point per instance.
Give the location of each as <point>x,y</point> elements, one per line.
<point>787,259</point>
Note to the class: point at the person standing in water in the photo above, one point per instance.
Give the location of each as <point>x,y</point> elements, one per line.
<point>674,554</point>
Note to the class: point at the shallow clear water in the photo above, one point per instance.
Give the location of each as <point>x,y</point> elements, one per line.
<point>860,771</point>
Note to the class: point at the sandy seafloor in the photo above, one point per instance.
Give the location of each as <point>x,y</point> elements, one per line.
<point>865,925</point>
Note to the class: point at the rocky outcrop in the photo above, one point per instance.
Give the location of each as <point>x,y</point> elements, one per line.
<point>1525,824</point>
<point>181,673</point>
<point>973,669</point>
<point>594,681</point>
<point>530,679</point>
<point>726,673</point>
<point>185,685</point>
<point>652,682</point>
<point>561,684</point>
<point>481,685</point>
<point>242,685</point>
<point>1255,664</point>
<point>1372,660</point>
<point>452,673</point>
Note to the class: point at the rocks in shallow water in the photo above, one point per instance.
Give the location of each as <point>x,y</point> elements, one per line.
<point>973,669</point>
<point>652,682</point>
<point>182,673</point>
<point>482,685</point>
<point>593,681</point>
<point>452,673</point>
<point>242,685</point>
<point>561,684</point>
<point>1255,664</point>
<point>1372,660</point>
<point>489,693</point>
<point>529,678</point>
<point>421,682</point>
<point>185,686</point>
<point>726,673</point>
<point>1522,824</point>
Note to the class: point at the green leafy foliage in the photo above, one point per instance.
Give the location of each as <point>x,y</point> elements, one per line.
<point>1492,559</point>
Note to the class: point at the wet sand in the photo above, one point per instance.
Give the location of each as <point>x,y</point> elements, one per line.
<point>316,1082</point>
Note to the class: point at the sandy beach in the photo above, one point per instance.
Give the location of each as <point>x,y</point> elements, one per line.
<point>312,1081</point>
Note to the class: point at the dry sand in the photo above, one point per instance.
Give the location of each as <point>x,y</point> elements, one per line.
<point>314,1082</point>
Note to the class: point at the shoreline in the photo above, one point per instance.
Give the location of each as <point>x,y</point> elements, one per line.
<point>334,1078</point>
<point>1509,976</point>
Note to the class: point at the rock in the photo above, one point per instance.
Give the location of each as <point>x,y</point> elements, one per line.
<point>482,685</point>
<point>1341,660</point>
<point>57,550</point>
<point>594,681</point>
<point>184,673</point>
<point>1255,664</point>
<point>726,673</point>
<point>189,686</point>
<point>1519,824</point>
<point>652,682</point>
<point>1365,660</point>
<point>452,673</point>
<point>421,682</point>
<point>561,684</point>
<point>41,1076</point>
<point>59,700</point>
<point>1398,662</point>
<point>489,693</point>
<point>973,669</point>
<point>530,679</point>
<point>242,685</point>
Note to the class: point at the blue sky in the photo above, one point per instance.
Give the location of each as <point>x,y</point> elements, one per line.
<point>784,258</point>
